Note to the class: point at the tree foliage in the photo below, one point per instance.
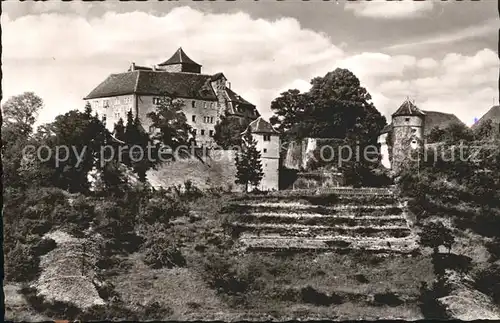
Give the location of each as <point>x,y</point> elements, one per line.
<point>484,131</point>
<point>228,131</point>
<point>140,153</point>
<point>435,234</point>
<point>170,120</point>
<point>289,108</point>
<point>336,106</point>
<point>19,115</point>
<point>248,163</point>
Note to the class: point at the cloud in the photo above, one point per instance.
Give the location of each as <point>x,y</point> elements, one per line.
<point>459,84</point>
<point>488,27</point>
<point>62,57</point>
<point>389,10</point>
<point>258,56</point>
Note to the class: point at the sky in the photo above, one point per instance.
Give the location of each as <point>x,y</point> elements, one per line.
<point>443,55</point>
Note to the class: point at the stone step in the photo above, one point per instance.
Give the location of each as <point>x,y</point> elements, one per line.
<point>322,220</point>
<point>317,230</point>
<point>307,207</point>
<point>334,190</point>
<point>252,242</point>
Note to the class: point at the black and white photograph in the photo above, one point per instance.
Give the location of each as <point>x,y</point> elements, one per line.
<point>250,160</point>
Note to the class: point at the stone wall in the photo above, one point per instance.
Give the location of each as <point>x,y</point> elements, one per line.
<point>216,169</point>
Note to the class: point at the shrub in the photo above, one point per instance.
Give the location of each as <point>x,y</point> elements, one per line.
<point>494,248</point>
<point>21,265</point>
<point>43,247</point>
<point>488,282</point>
<point>162,210</point>
<point>312,296</point>
<point>227,277</point>
<point>387,298</point>
<point>161,252</point>
<point>428,300</point>
<point>52,309</point>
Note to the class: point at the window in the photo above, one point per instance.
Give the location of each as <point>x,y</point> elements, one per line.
<point>265,150</point>
<point>151,129</point>
<point>267,137</point>
<point>407,119</point>
<point>156,100</point>
<point>202,132</point>
<point>211,119</point>
<point>106,103</point>
<point>194,132</point>
<point>193,104</point>
<point>211,133</point>
<point>193,118</point>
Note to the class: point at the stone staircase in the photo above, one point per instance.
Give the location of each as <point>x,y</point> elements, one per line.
<point>336,219</point>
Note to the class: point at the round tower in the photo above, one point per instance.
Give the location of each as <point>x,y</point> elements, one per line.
<point>408,124</point>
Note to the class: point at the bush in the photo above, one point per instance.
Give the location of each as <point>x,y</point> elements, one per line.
<point>228,277</point>
<point>43,247</point>
<point>312,296</point>
<point>494,249</point>
<point>428,300</point>
<point>53,309</point>
<point>488,282</point>
<point>387,298</point>
<point>162,210</point>
<point>21,264</point>
<point>161,252</point>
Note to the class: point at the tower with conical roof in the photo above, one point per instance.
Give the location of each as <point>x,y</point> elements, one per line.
<point>180,62</point>
<point>408,124</point>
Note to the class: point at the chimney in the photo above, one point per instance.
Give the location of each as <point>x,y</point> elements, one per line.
<point>154,67</point>
<point>132,67</point>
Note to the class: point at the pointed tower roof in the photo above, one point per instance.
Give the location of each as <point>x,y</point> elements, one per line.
<point>408,109</point>
<point>179,57</point>
<point>261,126</point>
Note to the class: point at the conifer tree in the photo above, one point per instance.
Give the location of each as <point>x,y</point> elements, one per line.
<point>248,163</point>
<point>137,157</point>
<point>119,130</point>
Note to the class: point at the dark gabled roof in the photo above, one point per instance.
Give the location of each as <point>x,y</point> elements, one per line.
<point>260,125</point>
<point>236,98</point>
<point>439,119</point>
<point>183,85</point>
<point>408,109</point>
<point>386,129</point>
<point>179,57</point>
<point>493,114</point>
<point>115,84</point>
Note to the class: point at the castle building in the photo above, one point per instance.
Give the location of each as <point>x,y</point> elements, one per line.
<point>205,97</point>
<point>268,143</point>
<point>406,133</point>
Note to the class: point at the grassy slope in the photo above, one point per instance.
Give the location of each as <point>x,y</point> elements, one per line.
<point>184,290</point>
